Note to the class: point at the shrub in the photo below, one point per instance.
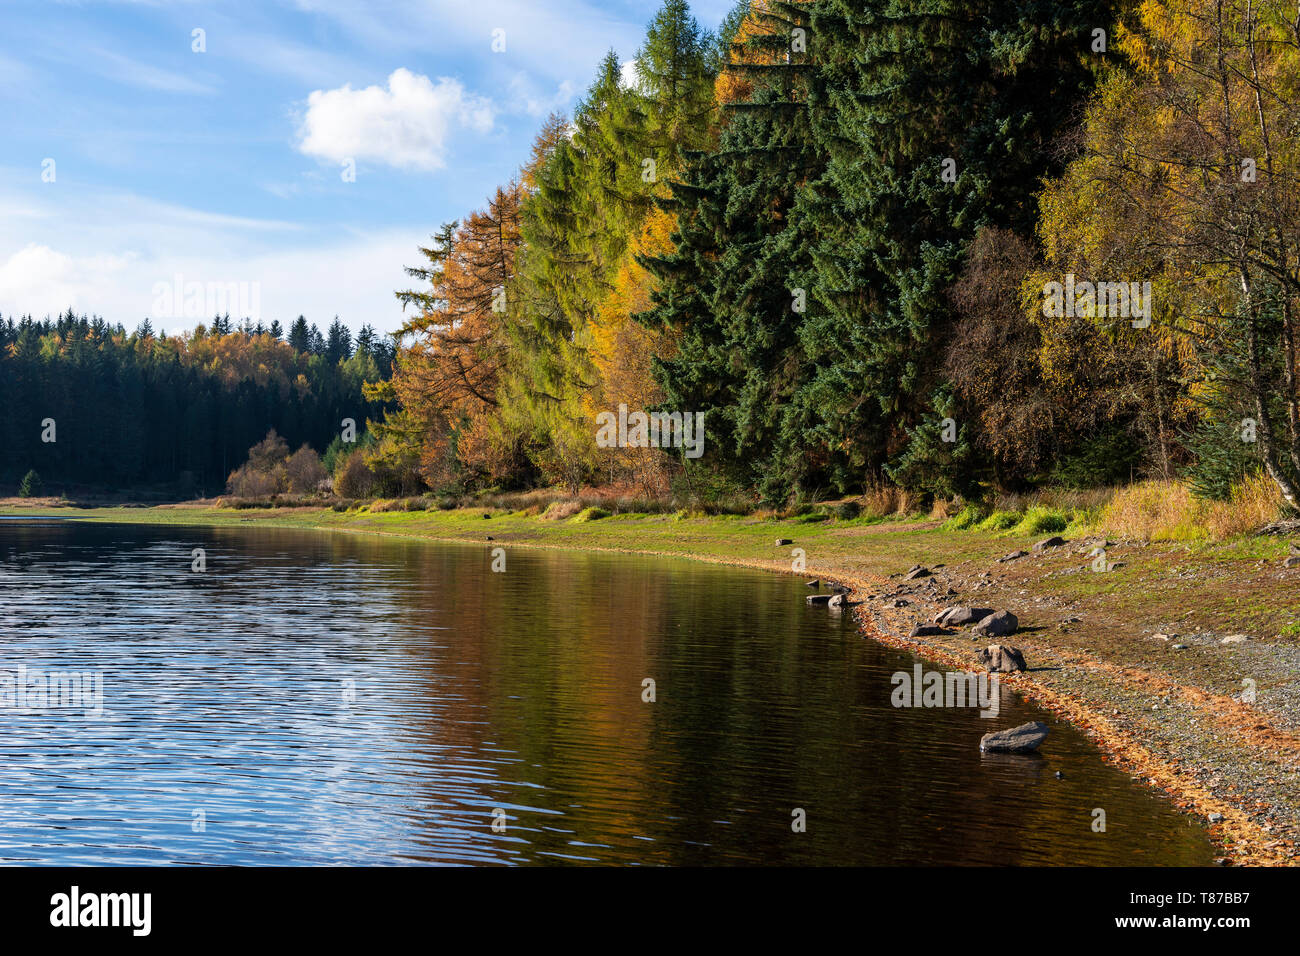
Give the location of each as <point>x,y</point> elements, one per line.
<point>848,510</point>
<point>1000,521</point>
<point>591,514</point>
<point>969,517</point>
<point>248,482</point>
<point>1043,521</point>
<point>354,478</point>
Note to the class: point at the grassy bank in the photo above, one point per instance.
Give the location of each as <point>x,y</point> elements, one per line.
<point>1135,655</point>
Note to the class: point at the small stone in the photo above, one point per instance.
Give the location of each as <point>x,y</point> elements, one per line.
<point>916,572</point>
<point>1013,556</point>
<point>1215,818</point>
<point>1059,775</point>
<point>813,583</point>
<point>1055,541</point>
<point>782,542</point>
<point>1178,647</point>
<point>1235,639</point>
<point>1292,561</point>
<point>927,630</point>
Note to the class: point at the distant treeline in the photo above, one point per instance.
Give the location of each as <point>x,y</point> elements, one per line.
<point>131,410</point>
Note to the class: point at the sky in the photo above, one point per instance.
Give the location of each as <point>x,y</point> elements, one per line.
<point>278,157</point>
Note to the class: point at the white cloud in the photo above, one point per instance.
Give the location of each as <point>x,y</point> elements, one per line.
<point>406,125</point>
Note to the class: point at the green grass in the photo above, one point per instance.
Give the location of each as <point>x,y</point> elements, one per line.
<point>1000,521</point>
<point>1038,520</point>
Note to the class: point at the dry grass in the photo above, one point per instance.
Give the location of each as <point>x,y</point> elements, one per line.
<point>559,510</point>
<point>882,501</point>
<point>1168,511</point>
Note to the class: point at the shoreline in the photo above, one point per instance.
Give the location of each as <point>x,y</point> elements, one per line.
<point>1207,752</point>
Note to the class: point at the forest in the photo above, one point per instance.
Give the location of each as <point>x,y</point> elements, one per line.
<point>840,231</point>
<point>90,406</point>
<point>833,228</point>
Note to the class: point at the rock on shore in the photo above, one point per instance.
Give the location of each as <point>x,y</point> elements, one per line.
<point>998,624</point>
<point>999,658</point>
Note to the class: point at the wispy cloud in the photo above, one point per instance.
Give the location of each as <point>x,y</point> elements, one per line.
<point>123,69</point>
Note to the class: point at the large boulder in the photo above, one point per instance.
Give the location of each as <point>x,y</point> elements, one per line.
<point>819,598</point>
<point>999,658</point>
<point>1017,740</point>
<point>916,571</point>
<point>961,614</point>
<point>838,599</point>
<point>997,624</point>
<point>1055,541</point>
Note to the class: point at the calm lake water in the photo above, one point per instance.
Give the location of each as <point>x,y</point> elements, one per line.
<point>333,699</point>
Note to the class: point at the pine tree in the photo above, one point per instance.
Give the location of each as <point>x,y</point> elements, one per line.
<point>300,336</point>
<point>735,289</point>
<point>937,116</point>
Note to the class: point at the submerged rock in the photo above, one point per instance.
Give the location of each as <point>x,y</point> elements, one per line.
<point>1022,739</point>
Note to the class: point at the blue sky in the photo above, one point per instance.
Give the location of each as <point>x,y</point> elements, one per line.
<point>227,165</point>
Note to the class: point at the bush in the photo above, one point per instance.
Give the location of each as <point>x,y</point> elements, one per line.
<point>31,485</point>
<point>591,514</point>
<point>1000,521</point>
<point>848,510</point>
<point>969,517</point>
<point>1043,521</point>
<point>354,478</point>
<point>246,482</point>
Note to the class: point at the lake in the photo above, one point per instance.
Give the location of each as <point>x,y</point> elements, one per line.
<point>317,698</point>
